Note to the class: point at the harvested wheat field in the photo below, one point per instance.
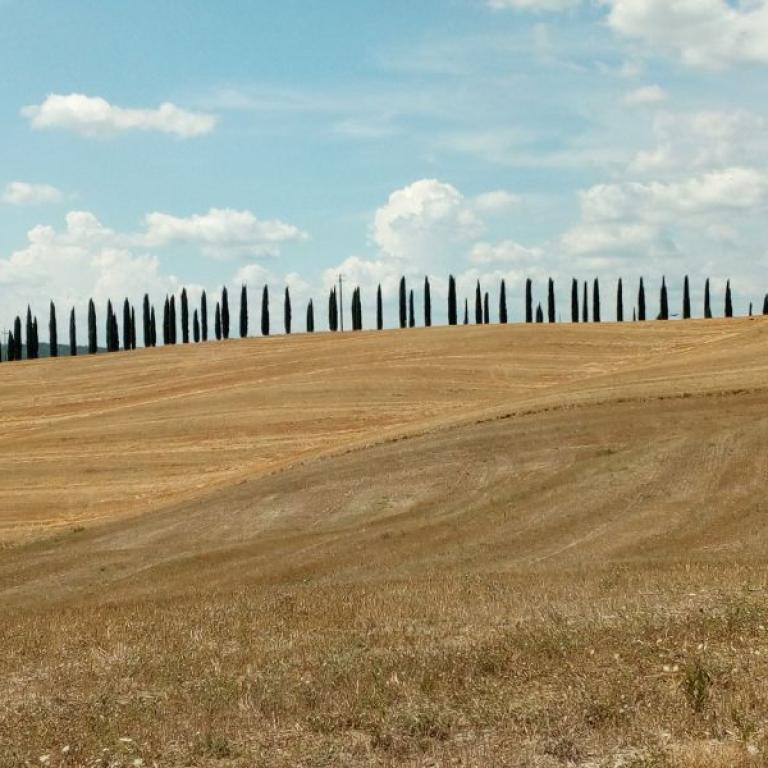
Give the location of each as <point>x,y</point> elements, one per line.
<point>515,545</point>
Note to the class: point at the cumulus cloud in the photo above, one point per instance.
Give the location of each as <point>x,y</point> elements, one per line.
<point>704,33</point>
<point>649,94</point>
<point>506,251</point>
<point>96,117</point>
<point>23,193</point>
<point>221,231</point>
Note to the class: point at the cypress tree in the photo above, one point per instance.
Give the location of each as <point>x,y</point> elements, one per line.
<point>108,326</point>
<point>641,301</point>
<point>574,301</point>
<point>528,301</point>
<point>728,300</point>
<point>30,335</point>
<point>596,301</point>
<point>152,327</point>
<point>411,310</point>
<point>166,321</point>
<point>92,338</point>
<point>224,313</point>
<point>686,299</point>
<point>217,322</point>
<point>11,347</point>
<point>539,313</point>
<point>243,312</point>
<point>620,302</point>
<point>265,311</point>
<point>478,305</point>
<point>310,317</point>
<point>750,309</point>
<point>486,309</point>
<point>707,301</point>
<point>332,310</point>
<point>466,312</point>
<point>184,317</point>
<point>287,314</point>
<point>402,304</point>
<point>146,321</point>
<point>634,315</point>
<point>765,304</point>
<point>172,320</point>
<point>196,327</point>
<point>664,301</point>
<point>126,326</point>
<point>204,317</point>
<point>551,310</point>
<point>503,303</point>
<point>17,338</point>
<point>133,327</point>
<point>53,335</point>
<point>72,333</point>
<point>357,311</point>
<point>427,304</point>
<point>585,304</point>
<point>452,307</point>
<point>115,334</point>
<point>35,340</point>
<point>379,309</point>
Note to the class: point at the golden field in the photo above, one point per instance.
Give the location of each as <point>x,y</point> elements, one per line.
<point>516,546</point>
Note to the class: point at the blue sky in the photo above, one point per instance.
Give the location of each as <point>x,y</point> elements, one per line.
<point>488,138</point>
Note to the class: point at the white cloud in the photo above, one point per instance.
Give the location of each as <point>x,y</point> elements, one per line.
<point>506,251</point>
<point>426,218</point>
<point>497,201</point>
<point>649,94</point>
<point>704,33</point>
<point>221,231</point>
<point>96,117</point>
<point>23,193</point>
<point>533,5</point>
<point>704,140</point>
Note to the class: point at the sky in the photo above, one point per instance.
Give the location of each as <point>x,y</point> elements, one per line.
<point>147,146</point>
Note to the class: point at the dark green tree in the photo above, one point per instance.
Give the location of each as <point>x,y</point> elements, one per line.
<point>551,310</point>
<point>486,309</point>
<point>146,321</point>
<point>109,327</point>
<point>172,320</point>
<point>686,299</point>
<point>379,309</point>
<point>453,315</point>
<point>133,328</point>
<point>153,327</point>
<point>167,321</point>
<point>243,312</point>
<point>620,302</point>
<point>478,305</point>
<point>574,300</point>
<point>728,300</point>
<point>184,317</point>
<point>204,317</point>
<point>402,304</point>
<point>707,301</point>
<point>30,334</point>
<point>641,302</point>
<point>503,318</point>
<point>217,322</point>
<point>528,301</point>
<point>196,327</point>
<point>224,313</point>
<point>92,339</point>
<point>333,311</point>
<point>596,301</point>
<point>310,317</point>
<point>126,326</point>
<point>663,301</point>
<point>411,310</point>
<point>765,304</point>
<point>72,333</point>
<point>466,312</point>
<point>265,311</point>
<point>427,304</point>
<point>53,334</point>
<point>287,313</point>
<point>585,304</point>
<point>539,313</point>
<point>11,347</point>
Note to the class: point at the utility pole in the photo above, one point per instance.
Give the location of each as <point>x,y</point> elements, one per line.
<point>341,305</point>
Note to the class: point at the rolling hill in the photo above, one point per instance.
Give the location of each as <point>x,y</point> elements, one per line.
<point>378,548</point>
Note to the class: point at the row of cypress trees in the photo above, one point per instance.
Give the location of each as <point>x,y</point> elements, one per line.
<point>580,312</point>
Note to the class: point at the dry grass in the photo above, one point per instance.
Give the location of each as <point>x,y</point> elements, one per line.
<point>552,557</point>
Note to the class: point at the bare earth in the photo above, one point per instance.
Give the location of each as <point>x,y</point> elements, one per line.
<point>524,546</point>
